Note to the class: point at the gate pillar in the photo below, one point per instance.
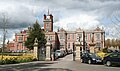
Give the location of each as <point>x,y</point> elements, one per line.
<point>48,51</point>
<point>78,54</point>
<point>36,49</point>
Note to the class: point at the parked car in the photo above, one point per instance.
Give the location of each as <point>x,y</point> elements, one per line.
<point>55,55</point>
<point>59,53</point>
<point>113,51</point>
<point>90,58</point>
<point>112,59</point>
<point>65,53</point>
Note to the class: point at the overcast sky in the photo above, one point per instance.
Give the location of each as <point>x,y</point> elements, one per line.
<point>68,14</point>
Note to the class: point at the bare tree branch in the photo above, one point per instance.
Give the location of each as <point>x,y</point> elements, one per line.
<point>4,23</point>
<point>117,19</point>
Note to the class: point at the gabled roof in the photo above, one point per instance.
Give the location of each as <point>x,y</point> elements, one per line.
<point>79,30</point>
<point>62,30</point>
<point>98,29</point>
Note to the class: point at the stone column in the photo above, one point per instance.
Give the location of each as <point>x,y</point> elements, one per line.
<point>36,49</point>
<point>77,45</point>
<point>48,51</point>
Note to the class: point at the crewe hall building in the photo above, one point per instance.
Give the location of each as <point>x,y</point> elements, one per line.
<point>62,39</point>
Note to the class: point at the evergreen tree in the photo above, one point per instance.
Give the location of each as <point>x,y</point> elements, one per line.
<point>35,32</point>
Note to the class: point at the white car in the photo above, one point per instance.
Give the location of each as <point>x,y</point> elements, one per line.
<point>59,53</point>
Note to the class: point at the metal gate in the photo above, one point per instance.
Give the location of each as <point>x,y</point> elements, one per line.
<point>42,53</point>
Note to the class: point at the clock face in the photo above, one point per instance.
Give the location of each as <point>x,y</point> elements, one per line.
<point>48,17</point>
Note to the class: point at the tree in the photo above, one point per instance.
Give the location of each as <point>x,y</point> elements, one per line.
<point>116,42</point>
<point>3,26</point>
<point>107,43</point>
<point>113,42</point>
<point>38,33</point>
<point>105,50</point>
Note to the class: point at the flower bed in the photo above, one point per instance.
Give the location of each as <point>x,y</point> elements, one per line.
<point>17,59</point>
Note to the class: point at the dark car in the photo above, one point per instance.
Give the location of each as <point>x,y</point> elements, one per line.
<point>90,58</point>
<point>113,51</point>
<point>112,59</point>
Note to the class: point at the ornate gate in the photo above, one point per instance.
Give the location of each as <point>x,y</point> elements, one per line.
<point>42,53</point>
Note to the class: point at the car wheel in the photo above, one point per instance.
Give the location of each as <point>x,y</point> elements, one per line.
<point>108,63</point>
<point>89,61</point>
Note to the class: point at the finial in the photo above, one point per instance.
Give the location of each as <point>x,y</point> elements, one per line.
<point>48,11</point>
<point>36,40</point>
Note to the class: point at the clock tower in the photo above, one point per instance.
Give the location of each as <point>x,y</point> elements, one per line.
<point>48,22</point>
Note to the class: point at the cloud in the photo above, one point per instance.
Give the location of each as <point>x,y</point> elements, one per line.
<point>83,21</point>
<point>68,14</point>
<point>19,14</point>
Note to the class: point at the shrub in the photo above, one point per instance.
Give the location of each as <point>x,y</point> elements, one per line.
<point>101,54</point>
<point>16,59</point>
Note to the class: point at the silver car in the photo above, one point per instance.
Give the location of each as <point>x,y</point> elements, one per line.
<point>59,53</point>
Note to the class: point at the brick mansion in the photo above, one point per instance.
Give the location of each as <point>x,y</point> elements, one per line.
<point>61,39</point>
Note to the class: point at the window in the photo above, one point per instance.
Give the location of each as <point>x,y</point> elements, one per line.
<point>68,36</point>
<point>91,36</point>
<point>98,45</point>
<point>20,39</point>
<point>114,55</point>
<point>47,27</point>
<point>98,36</point>
<point>61,36</point>
<point>118,55</point>
<point>73,36</point>
<point>85,36</point>
<point>79,36</point>
<point>50,37</point>
<point>23,44</point>
<point>68,45</point>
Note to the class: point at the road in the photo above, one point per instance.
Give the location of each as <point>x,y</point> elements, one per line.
<point>68,63</point>
<point>62,64</point>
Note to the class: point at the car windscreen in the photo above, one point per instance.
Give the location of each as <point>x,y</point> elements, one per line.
<point>93,55</point>
<point>58,51</point>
